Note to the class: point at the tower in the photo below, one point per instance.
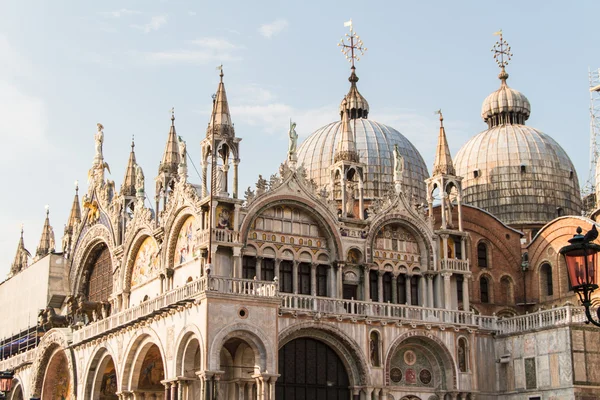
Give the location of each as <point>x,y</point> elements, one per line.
<point>167,170</point>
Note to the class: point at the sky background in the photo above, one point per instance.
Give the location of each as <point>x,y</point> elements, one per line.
<point>66,65</point>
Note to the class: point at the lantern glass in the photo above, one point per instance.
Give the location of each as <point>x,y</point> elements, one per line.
<point>582,268</point>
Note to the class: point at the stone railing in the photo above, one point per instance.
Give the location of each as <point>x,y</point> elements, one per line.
<point>355,308</point>
<point>542,319</point>
<point>17,360</point>
<point>189,292</point>
<point>225,236</point>
<point>453,264</point>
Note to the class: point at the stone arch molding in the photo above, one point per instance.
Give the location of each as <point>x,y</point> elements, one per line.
<point>131,254</point>
<point>189,333</point>
<point>172,228</point>
<point>255,337</point>
<point>94,236</point>
<point>345,347</point>
<point>141,342</point>
<point>99,355</point>
<point>55,340</point>
<point>437,346</point>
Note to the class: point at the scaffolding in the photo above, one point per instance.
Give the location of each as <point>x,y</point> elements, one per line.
<point>21,342</point>
<point>589,189</point>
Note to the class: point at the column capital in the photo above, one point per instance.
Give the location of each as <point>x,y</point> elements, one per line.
<point>340,264</point>
<point>444,235</point>
<point>381,272</point>
<point>446,275</point>
<point>259,258</point>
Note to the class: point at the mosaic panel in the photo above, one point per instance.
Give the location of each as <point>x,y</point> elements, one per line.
<point>147,264</point>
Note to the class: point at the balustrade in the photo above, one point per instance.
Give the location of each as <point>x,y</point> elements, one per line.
<point>453,264</point>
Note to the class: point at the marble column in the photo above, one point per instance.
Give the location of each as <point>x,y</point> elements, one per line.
<point>361,213</point>
<point>366,283</point>
<point>408,289</point>
<point>340,280</point>
<point>313,279</point>
<point>259,260</point>
<point>465,290</point>
<point>236,162</point>
<point>394,288</point>
<point>430,302</point>
<point>295,277</point>
<point>447,291</point>
<point>380,286</point>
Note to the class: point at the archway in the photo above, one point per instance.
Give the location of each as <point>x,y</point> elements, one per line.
<point>101,382</point>
<point>17,393</point>
<point>310,369</point>
<point>188,365</point>
<point>57,381</point>
<point>238,361</point>
<point>148,372</point>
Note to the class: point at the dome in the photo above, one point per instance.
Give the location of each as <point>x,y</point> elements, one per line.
<point>375,145</point>
<point>505,103</point>
<point>519,174</point>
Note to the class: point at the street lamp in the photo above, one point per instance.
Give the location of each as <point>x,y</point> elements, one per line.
<point>582,268</point>
<point>6,378</point>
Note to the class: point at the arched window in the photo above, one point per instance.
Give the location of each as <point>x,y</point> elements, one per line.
<point>401,288</point>
<point>482,256</point>
<point>484,294</point>
<point>546,279</point>
<point>462,355</point>
<point>387,287</point>
<point>374,346</point>
<point>414,290</point>
<point>507,292</point>
<point>100,282</point>
<point>248,267</point>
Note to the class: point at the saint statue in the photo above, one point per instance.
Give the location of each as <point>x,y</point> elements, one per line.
<point>99,138</point>
<point>398,164</point>
<point>139,179</point>
<point>182,150</point>
<point>448,210</point>
<point>220,182</point>
<point>349,199</point>
<point>293,141</point>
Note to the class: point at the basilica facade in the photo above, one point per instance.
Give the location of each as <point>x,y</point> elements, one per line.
<point>350,273</point>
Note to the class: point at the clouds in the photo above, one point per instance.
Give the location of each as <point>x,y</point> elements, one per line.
<point>155,24</point>
<point>201,51</point>
<point>274,28</point>
<point>123,12</point>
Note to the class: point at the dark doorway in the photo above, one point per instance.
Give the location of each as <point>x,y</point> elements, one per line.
<point>311,370</point>
<point>350,292</point>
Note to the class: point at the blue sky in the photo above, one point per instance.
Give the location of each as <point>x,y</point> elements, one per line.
<point>66,65</point>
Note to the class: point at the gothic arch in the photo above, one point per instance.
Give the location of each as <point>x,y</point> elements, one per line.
<point>419,232</point>
<point>434,345</point>
<point>172,228</point>
<point>345,347</point>
<point>321,215</point>
<point>95,236</point>
<point>54,341</point>
<point>135,351</point>
<point>255,337</point>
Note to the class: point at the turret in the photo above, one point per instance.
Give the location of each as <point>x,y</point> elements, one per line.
<point>21,260</point>
<point>47,243</point>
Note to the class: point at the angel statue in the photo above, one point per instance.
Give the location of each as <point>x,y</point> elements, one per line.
<point>99,139</point>
<point>139,179</point>
<point>293,141</point>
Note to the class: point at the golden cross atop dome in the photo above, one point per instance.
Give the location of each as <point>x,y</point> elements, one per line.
<point>351,45</point>
<point>501,51</point>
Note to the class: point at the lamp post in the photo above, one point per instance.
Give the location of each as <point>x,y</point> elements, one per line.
<point>582,269</point>
<point>6,378</point>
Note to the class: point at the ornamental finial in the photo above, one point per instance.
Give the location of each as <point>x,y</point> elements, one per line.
<point>351,45</point>
<point>439,112</point>
<point>502,55</point>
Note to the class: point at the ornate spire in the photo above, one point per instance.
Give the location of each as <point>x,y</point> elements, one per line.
<point>353,48</point>
<point>443,160</point>
<point>75,215</point>
<point>128,186</point>
<point>170,160</point>
<point>346,149</point>
<point>47,239</point>
<point>21,257</point>
<point>220,119</point>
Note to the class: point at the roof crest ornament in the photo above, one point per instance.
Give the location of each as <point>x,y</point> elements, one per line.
<point>353,49</point>
<point>502,55</point>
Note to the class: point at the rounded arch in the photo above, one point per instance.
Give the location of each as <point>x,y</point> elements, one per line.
<point>430,343</point>
<point>490,286</point>
<point>420,233</point>
<point>507,289</point>
<point>545,273</point>
<point>315,210</point>
<point>135,352</point>
<point>483,251</point>
<point>54,340</point>
<point>101,374</point>
<point>185,346</point>
<point>93,237</point>
<point>131,255</point>
<point>173,227</point>
<point>463,352</point>
<point>18,390</point>
<point>255,337</point>
<point>351,354</point>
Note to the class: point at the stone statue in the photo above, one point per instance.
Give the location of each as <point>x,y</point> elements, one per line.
<point>398,164</point>
<point>220,182</point>
<point>182,150</point>
<point>99,138</point>
<point>261,185</point>
<point>448,211</point>
<point>139,179</point>
<point>293,141</point>
<point>349,199</point>
<point>51,241</point>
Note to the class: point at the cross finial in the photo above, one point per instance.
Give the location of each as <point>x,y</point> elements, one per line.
<point>439,112</point>
<point>172,115</point>
<point>351,45</point>
<point>76,186</point>
<point>47,207</point>
<point>502,54</point>
<point>221,74</point>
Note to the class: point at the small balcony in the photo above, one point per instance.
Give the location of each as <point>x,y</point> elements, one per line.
<point>219,236</point>
<point>454,265</point>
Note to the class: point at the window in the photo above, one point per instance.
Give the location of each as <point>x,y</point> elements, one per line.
<point>99,287</point>
<point>373,286</point>
<point>248,267</point>
<point>387,287</point>
<point>322,272</point>
<point>304,278</point>
<point>414,290</point>
<point>546,278</point>
<point>459,288</point>
<point>374,349</point>
<point>285,274</point>
<point>462,355</point>
<point>482,260</point>
<point>401,288</point>
<point>267,269</point>
<point>484,290</point>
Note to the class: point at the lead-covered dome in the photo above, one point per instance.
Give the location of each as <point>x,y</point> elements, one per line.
<point>517,173</point>
<point>375,145</point>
